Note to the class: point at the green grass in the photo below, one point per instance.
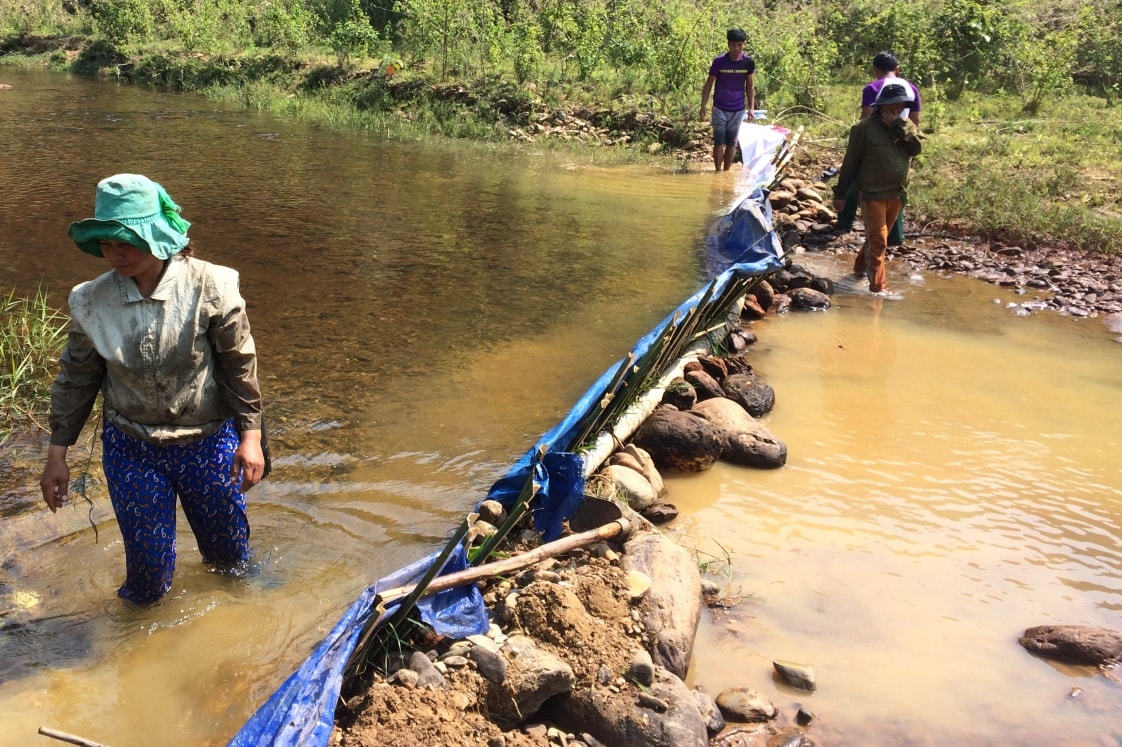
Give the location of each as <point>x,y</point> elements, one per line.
<point>31,337</point>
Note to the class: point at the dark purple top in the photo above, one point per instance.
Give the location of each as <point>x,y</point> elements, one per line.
<point>869,95</point>
<point>728,93</point>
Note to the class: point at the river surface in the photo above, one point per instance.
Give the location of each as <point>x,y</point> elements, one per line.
<point>424,312</point>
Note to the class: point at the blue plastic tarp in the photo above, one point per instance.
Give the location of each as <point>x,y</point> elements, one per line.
<point>301,712</point>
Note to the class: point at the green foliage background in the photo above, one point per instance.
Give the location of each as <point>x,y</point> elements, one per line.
<point>1027,47</point>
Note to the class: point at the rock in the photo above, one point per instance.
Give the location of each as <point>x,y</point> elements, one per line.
<point>1074,644</point>
<point>642,668</point>
<point>748,442</point>
<point>737,341</point>
<point>746,706</point>
<point>714,366</point>
<point>492,512</point>
<point>704,384</point>
<point>666,715</point>
<point>710,713</point>
<point>755,396</point>
<point>427,673</point>
<point>638,584</point>
<point>679,393</point>
<point>781,198</point>
<point>490,664</point>
<point>808,299</point>
<point>533,677</point>
<point>646,700</point>
<point>796,675</point>
<point>661,513</point>
<point>781,304</point>
<point>671,609</point>
<point>404,677</point>
<point>631,486</point>
<point>763,293</point>
<point>751,310</point>
<point>790,737</point>
<point>679,440</point>
<point>647,468</point>
<point>740,737</point>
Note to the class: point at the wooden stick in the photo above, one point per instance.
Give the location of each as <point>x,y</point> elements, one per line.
<point>70,738</point>
<point>515,562</point>
<point>475,573</point>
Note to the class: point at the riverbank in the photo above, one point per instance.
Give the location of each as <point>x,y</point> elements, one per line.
<point>991,168</point>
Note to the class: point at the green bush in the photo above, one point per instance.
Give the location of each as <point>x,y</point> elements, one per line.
<point>123,21</point>
<point>354,38</point>
<point>284,25</point>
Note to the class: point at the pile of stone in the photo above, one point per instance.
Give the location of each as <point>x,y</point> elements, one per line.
<point>802,213</point>
<point>593,647</point>
<point>584,650</point>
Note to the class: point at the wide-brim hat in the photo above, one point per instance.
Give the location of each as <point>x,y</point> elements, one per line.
<point>893,93</point>
<point>134,209</point>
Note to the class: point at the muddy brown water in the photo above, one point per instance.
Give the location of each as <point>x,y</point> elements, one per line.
<point>425,311</point>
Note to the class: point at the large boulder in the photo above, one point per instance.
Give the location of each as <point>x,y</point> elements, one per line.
<point>671,607</point>
<point>680,441</point>
<point>747,442</point>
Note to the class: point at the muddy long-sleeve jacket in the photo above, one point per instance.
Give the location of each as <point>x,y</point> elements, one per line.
<point>877,159</point>
<point>173,367</point>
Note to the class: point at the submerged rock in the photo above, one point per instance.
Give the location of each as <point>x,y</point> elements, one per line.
<point>1074,644</point>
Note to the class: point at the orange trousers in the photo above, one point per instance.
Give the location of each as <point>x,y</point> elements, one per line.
<point>880,215</point>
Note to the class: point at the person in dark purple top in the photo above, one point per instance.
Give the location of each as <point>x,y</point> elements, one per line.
<point>732,81</point>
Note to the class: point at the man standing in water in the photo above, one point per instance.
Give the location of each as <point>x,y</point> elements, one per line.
<point>734,98</point>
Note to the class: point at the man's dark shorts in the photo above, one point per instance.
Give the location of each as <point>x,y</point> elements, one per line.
<point>726,125</point>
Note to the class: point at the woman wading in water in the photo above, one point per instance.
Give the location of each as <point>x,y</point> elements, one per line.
<point>165,338</point>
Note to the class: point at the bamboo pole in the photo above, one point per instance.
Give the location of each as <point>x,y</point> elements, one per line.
<point>68,738</point>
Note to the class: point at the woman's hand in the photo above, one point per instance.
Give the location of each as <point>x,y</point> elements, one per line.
<point>55,481</point>
<point>249,460</point>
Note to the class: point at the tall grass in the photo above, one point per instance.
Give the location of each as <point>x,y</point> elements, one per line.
<point>32,334</point>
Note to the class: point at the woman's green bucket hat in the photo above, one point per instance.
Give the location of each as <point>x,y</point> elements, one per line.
<point>134,209</point>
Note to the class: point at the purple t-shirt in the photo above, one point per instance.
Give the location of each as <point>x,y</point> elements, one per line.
<point>869,95</point>
<point>728,93</point>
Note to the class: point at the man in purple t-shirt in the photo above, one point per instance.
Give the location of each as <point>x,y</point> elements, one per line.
<point>887,70</point>
<point>732,80</point>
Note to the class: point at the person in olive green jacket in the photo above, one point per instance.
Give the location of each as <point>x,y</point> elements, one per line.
<point>877,160</point>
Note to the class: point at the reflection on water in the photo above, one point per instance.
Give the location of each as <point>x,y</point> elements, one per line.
<point>425,312</point>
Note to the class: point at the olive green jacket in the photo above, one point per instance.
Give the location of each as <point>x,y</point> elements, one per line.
<point>172,367</point>
<point>877,159</point>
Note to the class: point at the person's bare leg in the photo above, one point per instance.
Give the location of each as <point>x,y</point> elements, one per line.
<point>718,156</point>
<point>730,156</point>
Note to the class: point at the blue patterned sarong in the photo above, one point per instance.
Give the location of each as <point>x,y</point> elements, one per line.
<point>144,480</point>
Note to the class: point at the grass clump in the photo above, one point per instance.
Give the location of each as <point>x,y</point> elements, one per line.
<point>32,334</point>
